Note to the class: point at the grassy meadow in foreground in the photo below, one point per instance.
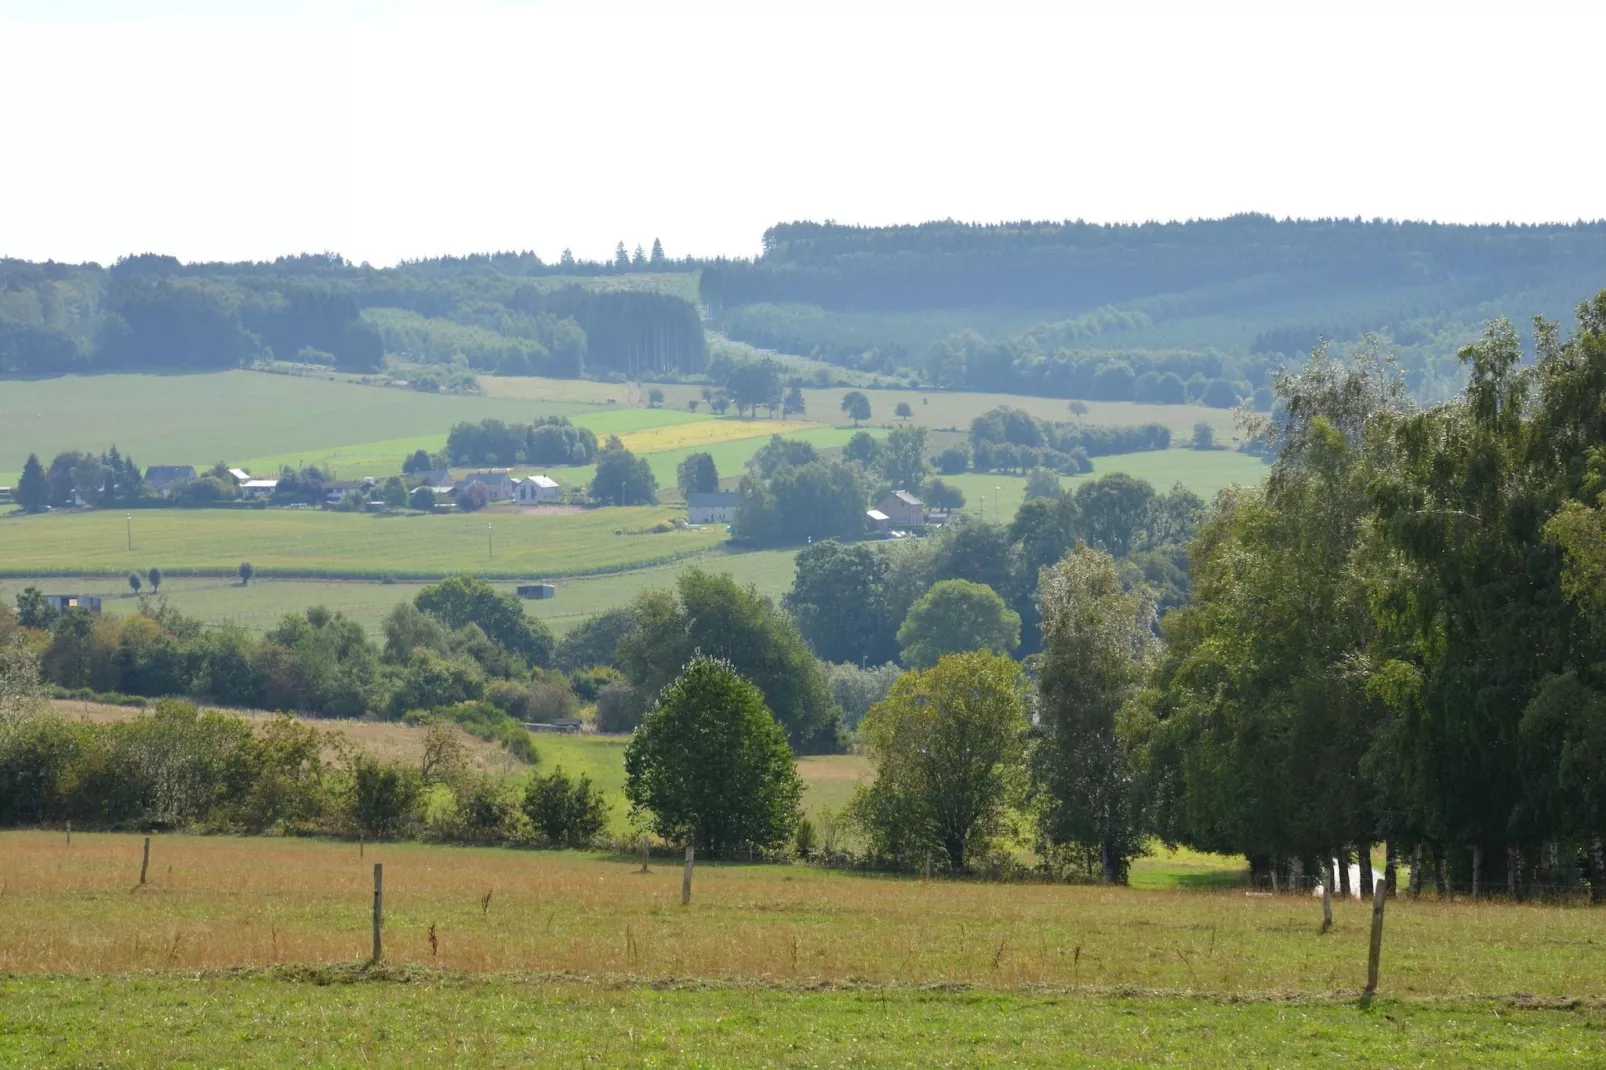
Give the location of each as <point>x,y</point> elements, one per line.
<point>246,952</point>
<point>310,542</point>
<point>426,1018</point>
<point>217,902</point>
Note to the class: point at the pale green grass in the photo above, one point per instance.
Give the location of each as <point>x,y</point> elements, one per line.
<point>261,605</point>
<point>228,416</point>
<point>1203,472</point>
<point>319,543</point>
<point>385,458</point>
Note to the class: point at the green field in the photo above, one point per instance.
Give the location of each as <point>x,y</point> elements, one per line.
<point>311,542</point>
<point>290,1016</point>
<point>1203,472</point>
<point>233,416</point>
<point>259,607</point>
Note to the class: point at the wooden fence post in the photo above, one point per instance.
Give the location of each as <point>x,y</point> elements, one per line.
<point>1375,954</point>
<point>379,910</point>
<point>69,833</point>
<point>360,844</point>
<point>1327,897</point>
<point>644,855</point>
<point>145,862</point>
<point>685,880</point>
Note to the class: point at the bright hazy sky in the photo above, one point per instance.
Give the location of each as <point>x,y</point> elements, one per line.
<point>389,129</point>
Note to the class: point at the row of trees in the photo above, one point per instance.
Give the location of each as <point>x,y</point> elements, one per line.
<point>546,440</point>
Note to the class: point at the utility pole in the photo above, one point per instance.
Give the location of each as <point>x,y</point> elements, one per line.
<point>490,551</point>
<point>128,520</point>
<point>995,505</point>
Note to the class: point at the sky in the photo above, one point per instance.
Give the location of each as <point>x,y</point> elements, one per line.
<point>397,129</point>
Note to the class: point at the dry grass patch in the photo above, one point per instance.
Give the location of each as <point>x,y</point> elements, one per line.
<point>707,433</point>
<point>220,902</point>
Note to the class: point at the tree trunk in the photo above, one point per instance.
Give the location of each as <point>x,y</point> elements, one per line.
<point>1343,873</point>
<point>956,854</point>
<point>1444,873</point>
<point>1513,864</point>
<point>1112,863</point>
<point>1477,869</point>
<point>1364,856</point>
<point>1391,869</point>
<point>1416,870</point>
<point>1597,871</point>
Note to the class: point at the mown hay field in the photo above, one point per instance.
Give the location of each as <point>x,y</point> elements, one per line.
<point>702,433</point>
<point>312,542</point>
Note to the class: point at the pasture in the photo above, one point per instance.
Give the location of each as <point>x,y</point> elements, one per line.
<point>1202,471</point>
<point>317,543</point>
<point>246,951</point>
<point>259,606</point>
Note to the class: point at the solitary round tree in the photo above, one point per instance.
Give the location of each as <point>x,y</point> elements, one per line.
<point>155,578</point>
<point>903,411</point>
<point>134,582</point>
<point>246,572</point>
<point>956,616</point>
<point>711,765</point>
<point>856,405</point>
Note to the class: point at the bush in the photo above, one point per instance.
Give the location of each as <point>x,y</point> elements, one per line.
<point>619,708</point>
<point>471,497</point>
<point>565,812</point>
<point>484,721</point>
<point>587,684</point>
<point>382,799</point>
<point>953,460</point>
<point>422,499</point>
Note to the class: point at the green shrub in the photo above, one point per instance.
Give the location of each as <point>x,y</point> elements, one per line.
<point>570,813</point>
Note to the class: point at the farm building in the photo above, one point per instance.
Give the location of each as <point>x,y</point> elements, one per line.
<point>61,603</point>
<point>498,482</point>
<point>713,507</point>
<point>165,478</point>
<point>876,520</point>
<point>258,488</point>
<point>536,490</point>
<point>537,590</point>
<point>903,509</point>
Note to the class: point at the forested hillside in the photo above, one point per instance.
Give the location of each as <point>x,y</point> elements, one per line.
<point>1089,310</point>
<point>508,313</point>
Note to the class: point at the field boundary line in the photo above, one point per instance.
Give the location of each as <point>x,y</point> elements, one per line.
<point>363,972</point>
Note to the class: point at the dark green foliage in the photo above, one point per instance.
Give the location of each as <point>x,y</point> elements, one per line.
<point>710,765</point>
<point>564,811</point>
<point>33,492</point>
<point>856,406</point>
<point>1009,438</point>
<point>382,798</point>
<point>594,641</point>
<point>1108,301</point>
<point>548,440</point>
<point>714,615</point>
<point>949,748</point>
<point>461,600</point>
<point>954,617</point>
<point>838,600</point>
<point>819,500</point>
<point>780,453</point>
<point>696,474</point>
<point>622,478</point>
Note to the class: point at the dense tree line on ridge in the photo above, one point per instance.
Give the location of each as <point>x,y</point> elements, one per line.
<point>151,312</point>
